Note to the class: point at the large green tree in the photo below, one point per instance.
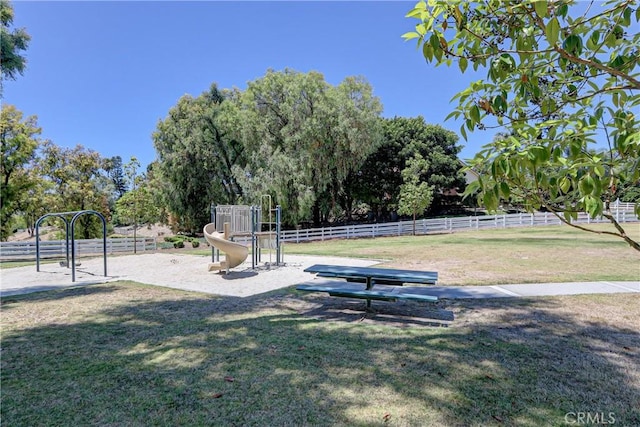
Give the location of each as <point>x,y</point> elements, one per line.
<point>377,182</point>
<point>12,44</point>
<point>196,155</point>
<point>303,137</point>
<point>562,77</point>
<point>19,143</point>
<point>75,178</point>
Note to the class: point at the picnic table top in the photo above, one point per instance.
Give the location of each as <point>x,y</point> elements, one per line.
<point>372,272</point>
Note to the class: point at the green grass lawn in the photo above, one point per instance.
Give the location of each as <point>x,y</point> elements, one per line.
<point>127,354</point>
<point>487,257</point>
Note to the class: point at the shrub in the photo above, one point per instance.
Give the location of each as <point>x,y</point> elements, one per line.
<point>195,243</point>
<point>179,244</point>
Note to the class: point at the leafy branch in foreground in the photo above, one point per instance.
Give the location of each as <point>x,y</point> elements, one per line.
<point>562,80</point>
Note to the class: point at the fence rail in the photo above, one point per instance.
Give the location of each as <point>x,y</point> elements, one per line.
<point>442,225</point>
<point>57,248</point>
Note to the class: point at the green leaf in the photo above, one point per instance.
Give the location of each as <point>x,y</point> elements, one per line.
<point>438,53</point>
<point>463,132</point>
<point>599,171</point>
<point>541,8</point>
<point>462,63</point>
<point>454,114</point>
<point>552,31</point>
<point>586,185</point>
<point>504,189</point>
<point>489,200</point>
<point>592,42</point>
<point>415,13</point>
<point>427,52</point>
<point>434,40</point>
<point>573,45</point>
<point>593,206</point>
<point>567,216</point>
<point>410,35</point>
<point>499,103</point>
<point>562,10</point>
<point>626,17</point>
<point>474,114</point>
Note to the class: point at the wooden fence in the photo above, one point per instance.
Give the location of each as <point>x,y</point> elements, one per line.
<point>57,248</point>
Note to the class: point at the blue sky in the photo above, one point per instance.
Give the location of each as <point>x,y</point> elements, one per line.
<point>102,74</point>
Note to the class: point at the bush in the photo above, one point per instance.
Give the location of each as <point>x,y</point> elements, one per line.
<point>179,241</point>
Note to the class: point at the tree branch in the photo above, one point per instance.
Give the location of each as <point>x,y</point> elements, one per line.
<point>621,233</point>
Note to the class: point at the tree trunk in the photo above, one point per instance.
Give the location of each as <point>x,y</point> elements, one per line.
<point>414,223</point>
<point>316,214</point>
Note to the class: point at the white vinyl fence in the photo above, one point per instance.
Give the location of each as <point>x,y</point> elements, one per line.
<point>443,225</point>
<point>57,248</point>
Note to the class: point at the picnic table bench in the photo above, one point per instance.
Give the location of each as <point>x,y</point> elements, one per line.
<point>370,277</point>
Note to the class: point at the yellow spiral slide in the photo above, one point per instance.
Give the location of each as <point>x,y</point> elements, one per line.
<point>234,253</point>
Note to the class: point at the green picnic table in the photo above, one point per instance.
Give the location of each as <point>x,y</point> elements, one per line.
<point>371,276</point>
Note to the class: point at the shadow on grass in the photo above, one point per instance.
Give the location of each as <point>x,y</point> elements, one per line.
<point>45,293</point>
<point>279,359</point>
<point>402,314</point>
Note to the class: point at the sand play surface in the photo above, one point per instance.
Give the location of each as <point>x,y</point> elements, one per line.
<point>187,272</point>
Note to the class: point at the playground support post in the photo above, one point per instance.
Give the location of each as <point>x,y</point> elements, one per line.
<point>215,253</point>
<point>60,215</point>
<point>278,241</point>
<point>70,232</point>
<point>73,246</point>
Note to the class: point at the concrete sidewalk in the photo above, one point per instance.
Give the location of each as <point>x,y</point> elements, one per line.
<point>526,290</point>
<point>496,291</point>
